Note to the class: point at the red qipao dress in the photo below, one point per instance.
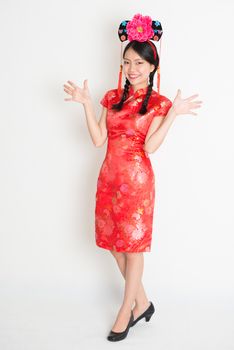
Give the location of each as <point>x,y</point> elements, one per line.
<point>125,192</point>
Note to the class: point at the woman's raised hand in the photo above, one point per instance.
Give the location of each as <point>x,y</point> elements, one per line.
<point>184,106</point>
<point>77,94</point>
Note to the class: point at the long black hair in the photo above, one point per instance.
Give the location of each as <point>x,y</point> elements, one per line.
<point>145,51</point>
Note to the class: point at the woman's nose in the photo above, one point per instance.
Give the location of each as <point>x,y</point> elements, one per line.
<point>132,70</point>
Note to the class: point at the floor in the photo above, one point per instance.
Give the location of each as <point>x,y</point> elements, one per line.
<point>58,318</point>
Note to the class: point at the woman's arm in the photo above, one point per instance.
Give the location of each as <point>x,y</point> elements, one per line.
<point>157,137</point>
<point>96,129</point>
<point>179,106</point>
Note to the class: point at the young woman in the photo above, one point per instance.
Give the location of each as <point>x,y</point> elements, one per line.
<point>135,124</point>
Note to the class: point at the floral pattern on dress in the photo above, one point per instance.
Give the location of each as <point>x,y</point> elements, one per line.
<point>125,194</point>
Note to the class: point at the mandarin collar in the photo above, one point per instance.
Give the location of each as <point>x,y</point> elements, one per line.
<point>138,92</point>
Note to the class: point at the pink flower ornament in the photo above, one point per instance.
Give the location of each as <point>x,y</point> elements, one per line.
<point>140,28</point>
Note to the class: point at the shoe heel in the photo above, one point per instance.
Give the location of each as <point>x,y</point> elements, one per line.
<point>147,318</point>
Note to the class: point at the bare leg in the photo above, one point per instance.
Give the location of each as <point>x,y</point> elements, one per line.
<point>134,263</point>
<point>141,300</point>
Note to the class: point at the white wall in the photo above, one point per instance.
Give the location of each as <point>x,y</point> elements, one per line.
<point>57,288</point>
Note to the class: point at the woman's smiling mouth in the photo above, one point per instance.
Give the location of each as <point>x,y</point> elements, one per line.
<point>133,76</point>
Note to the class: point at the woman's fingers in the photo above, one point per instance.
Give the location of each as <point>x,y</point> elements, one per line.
<point>190,97</point>
<point>196,102</point>
<point>196,106</point>
<point>68,91</point>
<point>67,87</point>
<point>85,83</point>
<point>178,95</point>
<point>72,84</point>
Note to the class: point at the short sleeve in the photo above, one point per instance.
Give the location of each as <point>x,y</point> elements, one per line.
<point>104,101</point>
<point>162,107</point>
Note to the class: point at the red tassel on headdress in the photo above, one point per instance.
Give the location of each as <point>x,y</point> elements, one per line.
<point>120,80</point>
<point>120,71</point>
<point>158,70</point>
<point>158,79</point>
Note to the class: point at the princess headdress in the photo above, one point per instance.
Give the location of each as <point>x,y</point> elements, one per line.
<point>140,28</point>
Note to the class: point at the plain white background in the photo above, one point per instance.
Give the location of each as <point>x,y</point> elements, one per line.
<point>58,290</point>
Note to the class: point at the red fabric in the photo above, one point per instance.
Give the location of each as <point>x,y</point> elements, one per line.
<point>125,192</point>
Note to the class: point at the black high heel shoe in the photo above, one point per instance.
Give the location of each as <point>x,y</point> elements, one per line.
<point>115,336</point>
<point>147,314</point>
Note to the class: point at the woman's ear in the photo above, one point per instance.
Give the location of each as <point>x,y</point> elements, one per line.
<point>152,67</point>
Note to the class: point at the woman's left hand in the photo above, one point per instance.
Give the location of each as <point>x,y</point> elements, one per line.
<point>184,106</point>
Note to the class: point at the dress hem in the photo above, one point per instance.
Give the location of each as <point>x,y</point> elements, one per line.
<point>123,251</point>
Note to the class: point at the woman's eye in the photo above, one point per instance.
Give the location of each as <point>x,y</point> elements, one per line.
<point>125,62</point>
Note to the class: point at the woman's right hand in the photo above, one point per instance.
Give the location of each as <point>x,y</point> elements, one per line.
<point>184,106</point>
<point>77,94</point>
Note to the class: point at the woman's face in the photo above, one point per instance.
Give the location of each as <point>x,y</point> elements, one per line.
<point>136,69</point>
